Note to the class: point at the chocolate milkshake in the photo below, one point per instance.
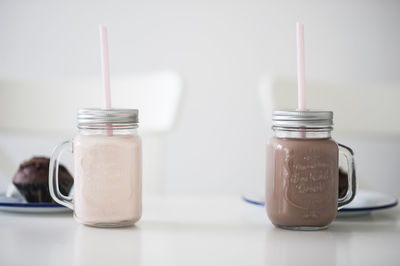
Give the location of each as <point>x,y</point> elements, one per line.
<point>302,171</point>
<point>302,183</point>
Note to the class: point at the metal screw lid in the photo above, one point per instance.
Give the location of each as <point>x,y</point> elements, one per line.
<point>308,119</point>
<point>93,116</point>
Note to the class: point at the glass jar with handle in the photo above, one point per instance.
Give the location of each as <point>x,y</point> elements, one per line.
<point>302,180</point>
<point>107,155</point>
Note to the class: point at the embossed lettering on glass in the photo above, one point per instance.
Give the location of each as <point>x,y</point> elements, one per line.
<point>303,171</point>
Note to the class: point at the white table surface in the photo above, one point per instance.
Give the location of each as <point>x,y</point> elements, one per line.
<point>198,231</point>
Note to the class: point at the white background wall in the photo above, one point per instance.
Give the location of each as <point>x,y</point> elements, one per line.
<point>222,49</point>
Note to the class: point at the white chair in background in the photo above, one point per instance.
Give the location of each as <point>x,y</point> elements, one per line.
<point>358,108</point>
<point>366,117</point>
<point>36,114</point>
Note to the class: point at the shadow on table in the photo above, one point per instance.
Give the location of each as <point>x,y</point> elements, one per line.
<point>376,222</point>
<point>287,247</point>
<point>333,246</point>
<point>198,227</point>
<point>107,246</point>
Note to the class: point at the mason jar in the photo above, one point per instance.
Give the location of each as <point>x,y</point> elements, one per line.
<point>302,177</point>
<point>107,155</point>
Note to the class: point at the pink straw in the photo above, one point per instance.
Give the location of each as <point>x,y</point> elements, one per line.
<point>105,69</point>
<point>301,75</point>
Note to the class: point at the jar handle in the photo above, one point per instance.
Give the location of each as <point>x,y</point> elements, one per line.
<point>351,175</point>
<point>53,175</point>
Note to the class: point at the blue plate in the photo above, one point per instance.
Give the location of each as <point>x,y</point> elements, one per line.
<point>364,202</point>
<point>16,204</point>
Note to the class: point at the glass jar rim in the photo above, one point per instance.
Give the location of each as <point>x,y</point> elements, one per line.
<point>89,117</point>
<point>302,119</point>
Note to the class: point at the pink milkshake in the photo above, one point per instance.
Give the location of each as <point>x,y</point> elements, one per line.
<point>107,179</point>
<point>108,168</point>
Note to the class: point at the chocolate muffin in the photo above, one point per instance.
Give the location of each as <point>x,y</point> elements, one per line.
<point>343,183</point>
<point>32,180</point>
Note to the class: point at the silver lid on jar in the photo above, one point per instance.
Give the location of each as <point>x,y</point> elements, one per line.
<point>308,119</point>
<point>95,116</point>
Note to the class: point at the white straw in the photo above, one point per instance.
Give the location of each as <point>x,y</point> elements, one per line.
<point>105,66</point>
<point>301,75</point>
<point>105,69</point>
